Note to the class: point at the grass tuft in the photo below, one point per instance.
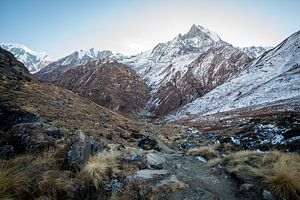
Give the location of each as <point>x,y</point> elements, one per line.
<point>208,152</point>
<point>100,167</point>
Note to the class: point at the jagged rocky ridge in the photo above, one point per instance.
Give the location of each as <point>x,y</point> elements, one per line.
<point>51,72</point>
<point>186,67</point>
<point>34,61</point>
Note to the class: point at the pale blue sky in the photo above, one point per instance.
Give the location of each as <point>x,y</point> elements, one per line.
<point>130,26</point>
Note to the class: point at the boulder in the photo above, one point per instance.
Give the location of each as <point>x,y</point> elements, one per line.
<point>81,149</point>
<point>148,143</point>
<point>155,160</point>
<point>31,137</point>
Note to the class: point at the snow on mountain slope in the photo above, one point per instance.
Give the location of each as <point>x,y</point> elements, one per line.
<point>272,77</point>
<point>53,70</point>
<point>173,80</point>
<point>34,61</point>
<point>254,52</point>
<point>174,55</point>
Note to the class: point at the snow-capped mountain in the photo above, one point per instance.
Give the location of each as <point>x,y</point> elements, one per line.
<point>273,77</point>
<point>53,70</point>
<point>175,54</point>
<point>33,60</point>
<point>186,67</point>
<point>254,52</point>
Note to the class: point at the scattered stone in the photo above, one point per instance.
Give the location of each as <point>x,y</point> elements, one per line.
<point>114,186</point>
<point>156,144</point>
<point>164,148</point>
<point>148,144</point>
<point>133,156</point>
<point>178,166</point>
<point>201,159</point>
<point>267,195</point>
<point>149,173</point>
<point>155,160</point>
<point>246,187</point>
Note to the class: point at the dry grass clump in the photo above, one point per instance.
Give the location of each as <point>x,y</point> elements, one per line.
<point>208,152</point>
<point>100,168</point>
<point>15,181</point>
<point>57,184</point>
<point>281,173</point>
<point>278,171</point>
<point>174,186</point>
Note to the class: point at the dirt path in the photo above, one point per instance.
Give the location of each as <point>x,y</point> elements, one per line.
<point>202,183</point>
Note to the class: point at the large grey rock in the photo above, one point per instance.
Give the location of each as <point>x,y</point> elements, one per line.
<point>155,160</point>
<point>149,143</point>
<point>149,173</point>
<point>32,137</point>
<point>82,148</point>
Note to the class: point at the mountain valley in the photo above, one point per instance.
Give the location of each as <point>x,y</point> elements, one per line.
<point>193,118</point>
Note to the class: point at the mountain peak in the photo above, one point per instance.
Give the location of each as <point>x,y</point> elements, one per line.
<point>197,30</point>
<point>33,60</point>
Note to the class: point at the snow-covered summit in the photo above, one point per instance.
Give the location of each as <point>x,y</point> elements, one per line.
<point>79,57</point>
<point>177,53</point>
<point>33,60</point>
<point>272,77</point>
<point>199,30</point>
<point>167,67</point>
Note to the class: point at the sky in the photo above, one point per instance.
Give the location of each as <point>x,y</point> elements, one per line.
<point>60,27</point>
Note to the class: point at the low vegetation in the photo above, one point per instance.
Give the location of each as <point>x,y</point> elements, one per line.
<point>208,152</point>
<point>100,167</point>
<point>274,170</point>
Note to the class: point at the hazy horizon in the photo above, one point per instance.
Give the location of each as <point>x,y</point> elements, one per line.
<point>130,27</point>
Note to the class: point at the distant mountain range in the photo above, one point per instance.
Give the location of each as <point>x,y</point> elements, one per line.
<point>33,60</point>
<point>51,72</point>
<point>195,73</point>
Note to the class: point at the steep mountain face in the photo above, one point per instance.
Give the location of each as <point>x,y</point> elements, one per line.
<point>254,52</point>
<point>34,61</point>
<point>272,79</point>
<point>186,67</point>
<point>107,83</point>
<point>52,71</point>
<point>205,73</point>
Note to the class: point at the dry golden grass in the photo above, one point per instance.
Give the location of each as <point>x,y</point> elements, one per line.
<point>281,173</point>
<point>207,152</point>
<point>15,181</point>
<point>174,186</point>
<point>57,184</point>
<point>100,167</point>
<point>278,171</point>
